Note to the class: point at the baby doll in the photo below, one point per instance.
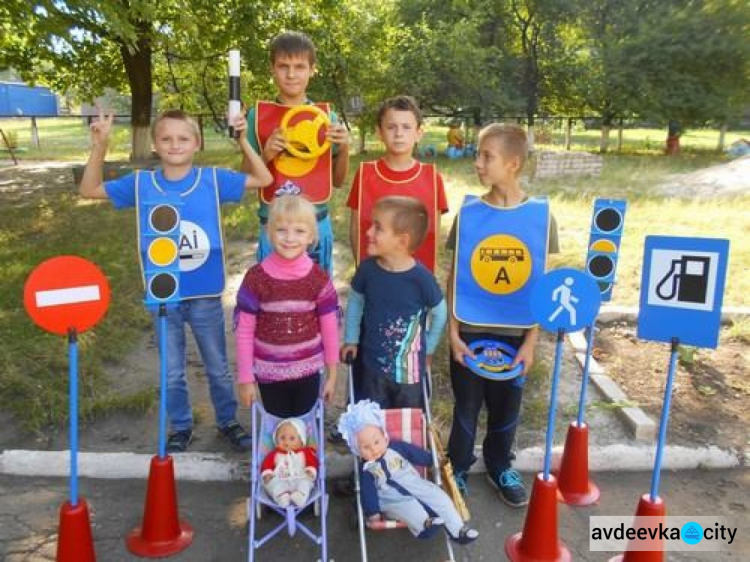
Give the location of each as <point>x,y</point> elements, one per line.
<point>389,482</point>
<point>289,470</point>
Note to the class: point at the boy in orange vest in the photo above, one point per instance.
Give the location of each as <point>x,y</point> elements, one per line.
<point>397,173</point>
<point>292,66</point>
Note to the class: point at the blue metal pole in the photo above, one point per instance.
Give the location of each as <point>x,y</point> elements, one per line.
<point>162,381</point>
<point>553,404</point>
<point>73,406</point>
<point>664,419</point>
<point>585,379</point>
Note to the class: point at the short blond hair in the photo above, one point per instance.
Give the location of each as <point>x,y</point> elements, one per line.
<point>408,216</point>
<point>178,115</point>
<point>293,208</point>
<point>512,139</point>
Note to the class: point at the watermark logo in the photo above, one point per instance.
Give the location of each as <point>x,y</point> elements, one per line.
<point>673,533</point>
<point>692,532</point>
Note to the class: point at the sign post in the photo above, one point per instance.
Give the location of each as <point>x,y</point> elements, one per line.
<point>564,300</point>
<point>67,295</point>
<point>682,290</point>
<point>161,533</point>
<point>607,224</point>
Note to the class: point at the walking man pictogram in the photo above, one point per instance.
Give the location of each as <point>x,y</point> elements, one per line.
<point>565,297</point>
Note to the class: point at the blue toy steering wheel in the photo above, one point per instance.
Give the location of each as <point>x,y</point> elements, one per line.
<point>492,360</point>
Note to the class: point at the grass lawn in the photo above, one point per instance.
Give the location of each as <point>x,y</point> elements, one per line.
<point>53,220</point>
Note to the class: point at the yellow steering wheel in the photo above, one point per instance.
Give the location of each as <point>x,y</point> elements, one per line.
<point>302,137</point>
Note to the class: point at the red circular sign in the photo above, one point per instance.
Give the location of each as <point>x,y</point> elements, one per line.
<point>66,292</point>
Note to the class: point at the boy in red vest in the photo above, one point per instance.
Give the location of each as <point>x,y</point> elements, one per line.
<point>292,66</point>
<point>397,173</point>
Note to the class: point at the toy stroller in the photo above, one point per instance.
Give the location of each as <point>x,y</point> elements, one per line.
<point>408,425</point>
<point>264,426</point>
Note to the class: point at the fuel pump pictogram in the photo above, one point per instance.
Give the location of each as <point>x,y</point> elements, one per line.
<point>687,280</point>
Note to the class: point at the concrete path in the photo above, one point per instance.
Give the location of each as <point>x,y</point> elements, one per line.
<point>217,511</point>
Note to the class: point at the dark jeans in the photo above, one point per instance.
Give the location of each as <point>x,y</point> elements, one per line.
<point>503,402</point>
<point>287,399</point>
<point>390,394</point>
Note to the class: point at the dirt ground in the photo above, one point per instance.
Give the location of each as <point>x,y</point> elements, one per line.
<point>711,394</point>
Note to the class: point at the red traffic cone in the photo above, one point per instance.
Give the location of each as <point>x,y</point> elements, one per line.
<point>162,534</point>
<point>574,486</point>
<point>538,541</point>
<point>646,508</point>
<point>74,542</point>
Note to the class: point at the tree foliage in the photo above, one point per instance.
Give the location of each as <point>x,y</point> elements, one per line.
<point>687,60</point>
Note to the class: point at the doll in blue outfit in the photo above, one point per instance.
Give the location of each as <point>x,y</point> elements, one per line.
<point>390,485</point>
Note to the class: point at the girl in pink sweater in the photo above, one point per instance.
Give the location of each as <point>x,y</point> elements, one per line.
<point>286,318</point>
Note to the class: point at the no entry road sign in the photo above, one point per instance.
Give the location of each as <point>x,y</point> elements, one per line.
<point>66,292</point>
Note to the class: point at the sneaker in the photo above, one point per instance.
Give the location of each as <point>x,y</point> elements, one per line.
<point>510,487</point>
<point>178,441</point>
<point>461,479</point>
<point>237,436</point>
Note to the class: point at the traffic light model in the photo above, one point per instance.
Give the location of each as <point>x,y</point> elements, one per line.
<point>160,239</point>
<point>607,225</point>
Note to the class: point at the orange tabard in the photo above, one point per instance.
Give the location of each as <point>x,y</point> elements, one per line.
<point>315,184</point>
<point>422,185</point>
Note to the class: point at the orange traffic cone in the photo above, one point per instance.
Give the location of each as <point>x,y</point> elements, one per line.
<point>538,541</point>
<point>575,488</point>
<point>162,534</point>
<point>74,541</point>
<point>646,508</point>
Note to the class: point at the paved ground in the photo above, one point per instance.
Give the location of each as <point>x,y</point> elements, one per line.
<point>29,518</point>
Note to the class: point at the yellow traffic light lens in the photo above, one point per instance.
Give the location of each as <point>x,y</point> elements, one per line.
<point>162,251</point>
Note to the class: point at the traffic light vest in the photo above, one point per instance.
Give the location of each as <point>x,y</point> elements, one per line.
<point>180,240</point>
<point>500,253</point>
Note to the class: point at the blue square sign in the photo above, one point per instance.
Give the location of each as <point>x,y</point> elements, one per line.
<point>682,289</point>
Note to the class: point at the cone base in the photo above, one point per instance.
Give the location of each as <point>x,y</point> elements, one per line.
<point>159,549</point>
<point>74,541</point>
<point>574,486</point>
<point>538,542</point>
<point>161,533</point>
<point>515,554</point>
<point>646,508</point>
<point>576,499</point>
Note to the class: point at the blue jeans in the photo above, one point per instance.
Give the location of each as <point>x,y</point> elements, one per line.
<point>322,253</point>
<point>206,319</point>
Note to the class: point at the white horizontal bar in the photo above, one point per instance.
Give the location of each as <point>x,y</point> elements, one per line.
<point>72,295</point>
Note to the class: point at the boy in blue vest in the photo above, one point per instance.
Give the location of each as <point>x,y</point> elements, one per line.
<point>503,213</point>
<point>176,139</point>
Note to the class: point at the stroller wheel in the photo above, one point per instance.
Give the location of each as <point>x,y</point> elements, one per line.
<point>316,508</point>
<point>258,510</point>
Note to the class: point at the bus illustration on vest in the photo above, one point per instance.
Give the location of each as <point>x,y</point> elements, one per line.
<point>511,255</point>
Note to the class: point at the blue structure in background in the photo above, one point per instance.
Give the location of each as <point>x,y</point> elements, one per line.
<point>17,99</point>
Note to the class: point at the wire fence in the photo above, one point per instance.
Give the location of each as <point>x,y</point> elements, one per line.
<point>67,137</point>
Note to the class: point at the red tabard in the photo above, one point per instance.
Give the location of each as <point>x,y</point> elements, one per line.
<point>316,184</point>
<point>422,185</point>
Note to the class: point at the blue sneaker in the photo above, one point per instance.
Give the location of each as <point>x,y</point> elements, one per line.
<point>510,487</point>
<point>461,479</point>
